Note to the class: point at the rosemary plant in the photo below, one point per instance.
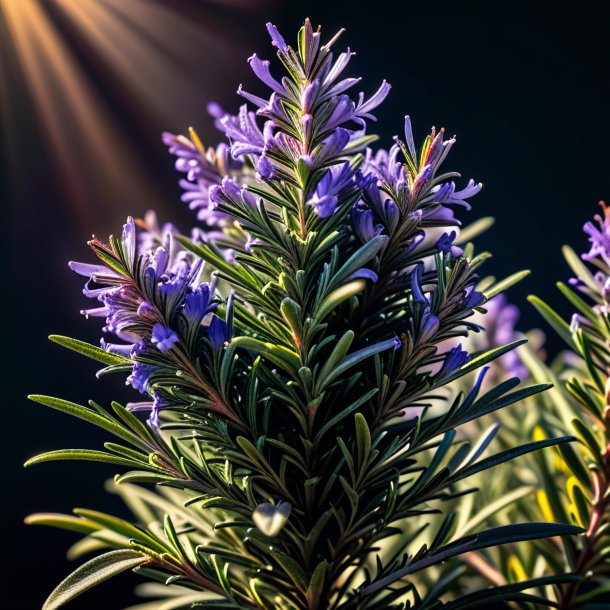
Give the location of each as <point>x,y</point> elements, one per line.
<point>292,358</point>
<point>573,484</point>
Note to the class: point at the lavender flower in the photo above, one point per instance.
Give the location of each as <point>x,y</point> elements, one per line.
<point>163,337</point>
<point>334,183</point>
<point>203,169</point>
<point>599,236</point>
<point>154,303</point>
<point>364,223</point>
<point>415,183</point>
<point>326,121</point>
<point>455,358</point>
<point>445,244</point>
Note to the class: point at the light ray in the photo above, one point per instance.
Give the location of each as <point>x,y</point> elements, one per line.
<point>99,74</point>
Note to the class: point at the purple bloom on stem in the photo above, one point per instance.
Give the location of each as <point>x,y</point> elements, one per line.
<point>599,236</point>
<point>363,221</point>
<point>140,376</point>
<point>364,108</point>
<point>197,303</point>
<point>118,348</point>
<point>163,337</point>
<point>445,244</point>
<point>217,332</point>
<point>473,299</point>
<point>455,358</point>
<point>324,205</point>
<point>366,274</point>
<point>333,183</point>
<point>416,290</point>
<point>129,242</point>
<point>429,325</point>
<point>265,168</point>
<point>260,67</point>
<point>157,404</point>
<point>276,38</point>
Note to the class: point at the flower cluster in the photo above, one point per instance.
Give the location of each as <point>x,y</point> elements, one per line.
<point>153,302</point>
<point>298,134</point>
<point>306,134</point>
<point>598,232</point>
<point>203,169</point>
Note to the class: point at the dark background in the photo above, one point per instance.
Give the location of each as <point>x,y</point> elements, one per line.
<point>83,101</point>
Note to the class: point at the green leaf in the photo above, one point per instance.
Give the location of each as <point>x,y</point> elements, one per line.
<point>489,538</point>
<point>505,456</point>
<point>66,522</point>
<point>579,268</point>
<point>486,597</point>
<point>474,229</point>
<point>574,463</point>
<point>316,586</point>
<point>335,298</point>
<point>354,358</point>
<point>339,351</point>
<point>493,509</point>
<point>363,440</point>
<point>583,307</point>
<point>91,351</point>
<point>106,422</point>
<point>589,440</point>
<point>92,573</point>
<point>292,569</point>
<point>506,283</point>
<point>122,527</point>
<point>291,312</point>
<point>279,355</point>
<point>331,423</point>
<point>359,259</point>
<point>87,455</point>
<point>560,326</point>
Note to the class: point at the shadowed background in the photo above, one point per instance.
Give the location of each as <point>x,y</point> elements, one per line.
<point>87,86</point>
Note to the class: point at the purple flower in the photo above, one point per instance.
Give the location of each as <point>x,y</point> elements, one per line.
<point>364,273</point>
<point>203,170</point>
<point>262,71</point>
<point>140,376</point>
<point>363,221</point>
<point>198,302</point>
<point>217,332</point>
<point>445,244</point>
<point>416,290</point>
<point>364,108</point>
<point>163,337</point>
<point>455,358</point>
<point>332,185</point>
<point>265,168</point>
<point>153,306</point>
<point>156,406</point>
<point>324,205</point>
<point>473,299</point>
<point>429,326</point>
<point>276,39</point>
<point>599,236</point>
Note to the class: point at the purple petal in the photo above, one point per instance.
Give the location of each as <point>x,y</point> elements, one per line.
<point>276,38</point>
<point>365,274</point>
<point>261,69</point>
